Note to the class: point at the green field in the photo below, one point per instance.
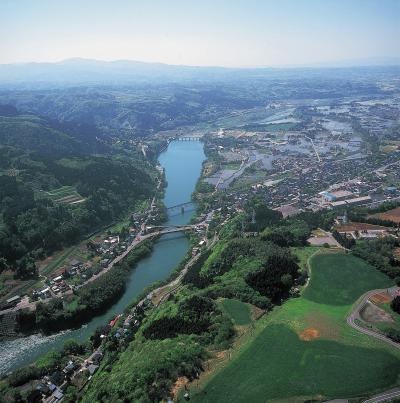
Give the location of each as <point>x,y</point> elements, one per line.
<point>303,254</point>
<point>232,165</point>
<point>237,310</point>
<point>57,261</point>
<point>268,127</point>
<point>333,282</point>
<point>75,163</point>
<point>305,350</point>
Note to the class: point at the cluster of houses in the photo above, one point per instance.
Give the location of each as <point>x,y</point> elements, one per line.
<point>51,387</point>
<point>54,287</point>
<point>76,267</point>
<point>111,247</point>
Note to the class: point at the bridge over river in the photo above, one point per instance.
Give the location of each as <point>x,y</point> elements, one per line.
<point>181,208</point>
<point>158,231</point>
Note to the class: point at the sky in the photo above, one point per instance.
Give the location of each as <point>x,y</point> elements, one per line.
<point>233,33</point>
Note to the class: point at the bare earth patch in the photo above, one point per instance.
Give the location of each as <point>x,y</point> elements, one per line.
<point>323,324</point>
<point>256,312</point>
<point>180,383</point>
<point>373,314</point>
<point>382,298</point>
<point>309,334</point>
<point>391,215</point>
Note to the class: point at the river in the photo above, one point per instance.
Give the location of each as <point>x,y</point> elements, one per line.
<point>182,161</point>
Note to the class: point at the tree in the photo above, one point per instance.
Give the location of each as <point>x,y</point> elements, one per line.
<point>26,268</point>
<point>393,334</point>
<point>395,305</point>
<point>287,280</point>
<point>73,347</point>
<point>3,264</point>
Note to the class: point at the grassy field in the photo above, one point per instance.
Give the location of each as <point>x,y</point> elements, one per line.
<point>232,165</point>
<point>237,310</point>
<point>57,261</point>
<point>303,254</point>
<point>334,281</point>
<point>268,127</point>
<point>305,350</point>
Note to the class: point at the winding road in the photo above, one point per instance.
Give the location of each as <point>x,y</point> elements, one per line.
<point>355,315</point>
<point>385,396</point>
<point>351,321</point>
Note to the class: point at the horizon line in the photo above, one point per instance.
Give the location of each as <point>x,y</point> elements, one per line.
<point>342,63</point>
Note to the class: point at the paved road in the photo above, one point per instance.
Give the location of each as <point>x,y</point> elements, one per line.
<point>355,314</point>
<point>172,286</point>
<point>253,158</point>
<point>385,396</point>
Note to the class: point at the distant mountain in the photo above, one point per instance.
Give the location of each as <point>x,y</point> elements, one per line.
<point>96,71</point>
<point>361,62</point>
<point>79,70</point>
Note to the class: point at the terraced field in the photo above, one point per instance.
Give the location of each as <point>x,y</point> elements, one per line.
<point>305,350</point>
<point>64,195</point>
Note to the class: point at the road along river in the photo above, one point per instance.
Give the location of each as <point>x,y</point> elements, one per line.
<point>182,161</point>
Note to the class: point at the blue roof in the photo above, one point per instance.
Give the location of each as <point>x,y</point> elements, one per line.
<point>329,196</point>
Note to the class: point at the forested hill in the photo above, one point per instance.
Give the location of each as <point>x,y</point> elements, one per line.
<point>55,187</point>
<point>140,99</point>
<point>32,133</point>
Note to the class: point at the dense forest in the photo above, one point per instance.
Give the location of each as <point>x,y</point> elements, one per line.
<point>56,188</point>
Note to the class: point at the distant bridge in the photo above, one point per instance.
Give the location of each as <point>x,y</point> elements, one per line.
<point>188,138</point>
<point>186,204</point>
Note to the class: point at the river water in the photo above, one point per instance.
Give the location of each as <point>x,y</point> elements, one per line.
<point>182,161</point>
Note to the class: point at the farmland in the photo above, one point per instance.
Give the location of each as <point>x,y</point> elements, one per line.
<point>334,283</point>
<point>391,215</point>
<point>305,350</point>
<point>64,195</point>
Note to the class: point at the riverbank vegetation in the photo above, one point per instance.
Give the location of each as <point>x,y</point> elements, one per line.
<point>92,299</point>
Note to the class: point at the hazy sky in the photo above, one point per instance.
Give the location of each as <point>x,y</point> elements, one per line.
<point>200,32</point>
